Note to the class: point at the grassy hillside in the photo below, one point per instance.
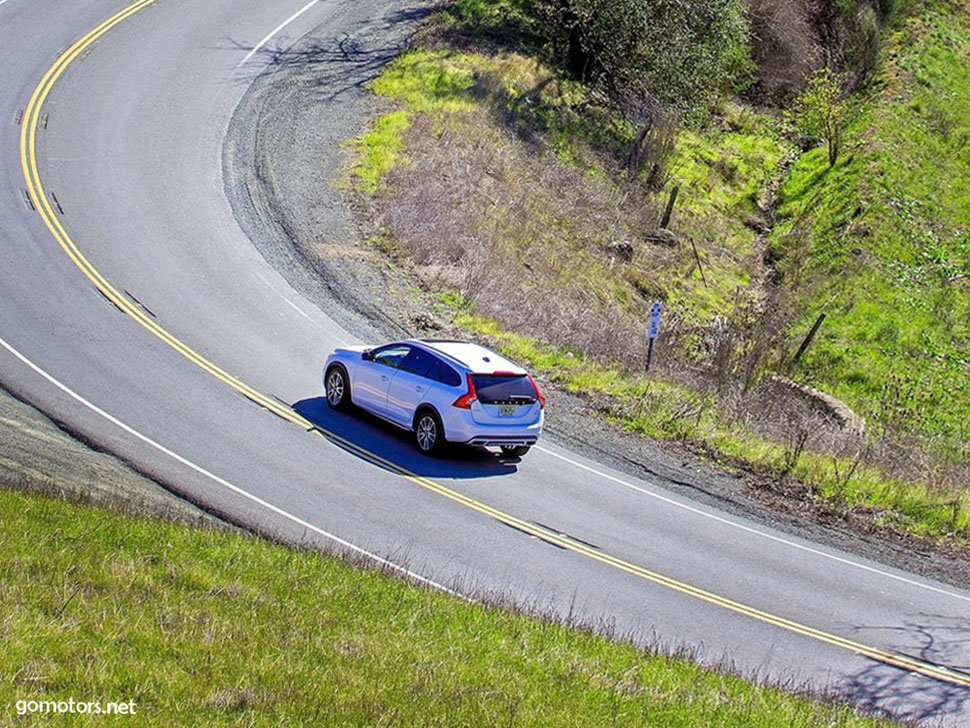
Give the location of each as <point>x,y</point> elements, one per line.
<point>210,628</point>
<point>887,244</point>
<point>500,179</point>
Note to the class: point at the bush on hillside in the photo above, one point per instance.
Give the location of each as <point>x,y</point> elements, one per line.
<point>784,47</point>
<point>819,110</point>
<point>676,52</point>
<point>680,53</point>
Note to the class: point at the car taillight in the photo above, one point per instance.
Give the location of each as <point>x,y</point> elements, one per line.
<point>465,400</point>
<point>542,400</point>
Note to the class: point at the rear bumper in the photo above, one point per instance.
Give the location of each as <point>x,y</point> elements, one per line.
<point>497,440</point>
<point>465,431</point>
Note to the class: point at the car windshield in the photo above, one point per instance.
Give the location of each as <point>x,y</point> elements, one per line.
<point>495,388</point>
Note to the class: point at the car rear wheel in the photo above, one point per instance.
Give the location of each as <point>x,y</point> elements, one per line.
<point>515,451</point>
<point>428,433</point>
<point>337,389</point>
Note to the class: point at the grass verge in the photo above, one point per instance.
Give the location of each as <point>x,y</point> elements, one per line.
<point>209,628</point>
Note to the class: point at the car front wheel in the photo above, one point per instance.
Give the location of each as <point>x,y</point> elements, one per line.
<point>514,451</point>
<point>428,433</point>
<point>337,389</point>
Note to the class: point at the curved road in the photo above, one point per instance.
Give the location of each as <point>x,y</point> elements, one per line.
<point>137,312</point>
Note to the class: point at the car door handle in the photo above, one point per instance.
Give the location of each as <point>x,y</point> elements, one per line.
<point>419,388</point>
<point>383,377</point>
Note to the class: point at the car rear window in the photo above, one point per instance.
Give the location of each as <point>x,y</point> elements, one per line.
<point>496,388</point>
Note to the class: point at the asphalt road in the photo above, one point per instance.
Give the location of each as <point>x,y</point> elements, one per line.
<point>204,372</point>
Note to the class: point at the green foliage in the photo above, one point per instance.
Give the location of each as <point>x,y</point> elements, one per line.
<point>208,628</point>
<point>819,111</point>
<point>678,52</point>
<point>427,81</point>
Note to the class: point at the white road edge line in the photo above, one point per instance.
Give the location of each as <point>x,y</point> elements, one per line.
<point>297,309</point>
<point>290,303</point>
<point>273,32</point>
<point>755,531</point>
<point>202,471</point>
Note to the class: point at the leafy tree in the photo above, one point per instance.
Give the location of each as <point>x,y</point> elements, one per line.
<point>678,52</point>
<point>819,110</point>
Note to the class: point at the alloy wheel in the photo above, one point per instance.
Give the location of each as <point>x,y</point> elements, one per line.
<point>335,388</point>
<point>426,433</point>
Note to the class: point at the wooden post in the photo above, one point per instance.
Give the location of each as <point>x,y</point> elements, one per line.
<point>665,221</point>
<point>698,259</point>
<point>808,339</point>
<point>649,353</point>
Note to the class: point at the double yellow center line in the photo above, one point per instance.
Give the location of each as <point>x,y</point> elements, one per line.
<point>35,190</point>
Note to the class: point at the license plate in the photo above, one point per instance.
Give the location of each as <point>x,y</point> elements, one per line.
<point>507,410</point>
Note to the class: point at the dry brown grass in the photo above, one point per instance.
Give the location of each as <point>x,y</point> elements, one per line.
<point>527,238</point>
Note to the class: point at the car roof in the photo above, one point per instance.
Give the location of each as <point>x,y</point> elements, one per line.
<point>474,357</point>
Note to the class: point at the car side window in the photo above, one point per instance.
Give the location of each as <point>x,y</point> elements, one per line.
<point>443,373</point>
<point>392,356</point>
<point>419,362</point>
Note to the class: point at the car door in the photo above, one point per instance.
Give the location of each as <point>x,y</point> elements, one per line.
<point>373,377</point>
<point>410,386</point>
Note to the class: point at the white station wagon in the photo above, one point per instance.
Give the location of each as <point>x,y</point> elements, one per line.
<point>442,391</point>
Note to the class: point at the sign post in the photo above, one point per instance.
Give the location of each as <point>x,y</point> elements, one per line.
<point>653,328</point>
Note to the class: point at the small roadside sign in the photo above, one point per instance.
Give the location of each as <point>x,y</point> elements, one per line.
<point>653,328</point>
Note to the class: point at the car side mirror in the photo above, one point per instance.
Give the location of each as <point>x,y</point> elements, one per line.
<point>367,355</point>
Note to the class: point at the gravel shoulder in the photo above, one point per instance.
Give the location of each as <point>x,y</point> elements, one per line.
<point>283,159</point>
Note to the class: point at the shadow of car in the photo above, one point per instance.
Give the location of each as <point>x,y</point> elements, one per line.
<point>371,438</point>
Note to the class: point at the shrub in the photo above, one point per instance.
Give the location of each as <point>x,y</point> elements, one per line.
<point>679,53</point>
<point>819,110</point>
<point>792,39</point>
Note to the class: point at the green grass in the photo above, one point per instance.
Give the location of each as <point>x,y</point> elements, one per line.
<point>210,628</point>
<point>725,165</point>
<point>424,81</point>
<point>889,241</point>
<point>428,81</point>
<point>379,150</point>
<point>722,167</point>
